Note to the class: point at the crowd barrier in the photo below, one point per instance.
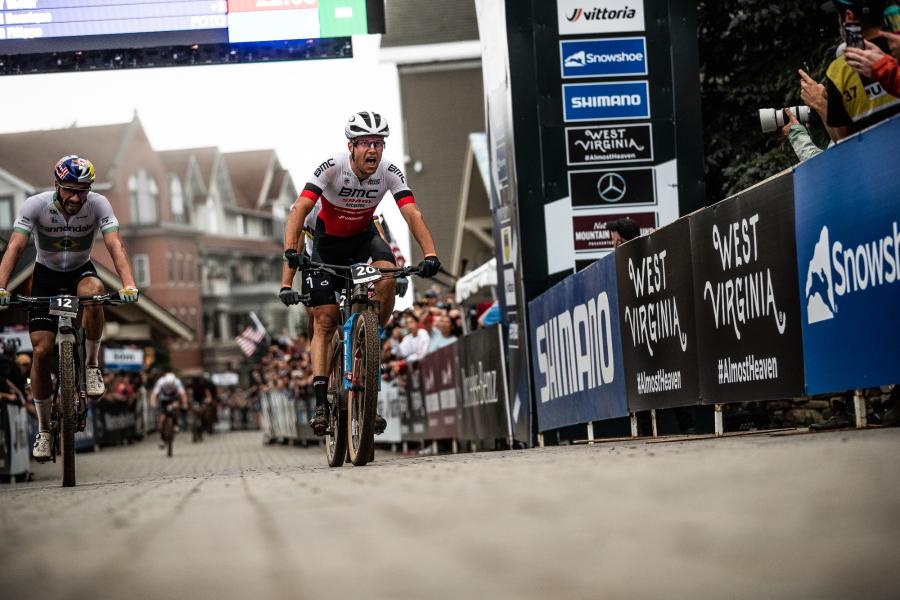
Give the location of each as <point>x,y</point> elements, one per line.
<point>457,393</point>
<point>15,443</point>
<point>785,289</point>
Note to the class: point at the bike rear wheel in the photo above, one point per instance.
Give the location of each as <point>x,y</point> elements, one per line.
<point>67,391</point>
<point>336,440</point>
<point>364,394</point>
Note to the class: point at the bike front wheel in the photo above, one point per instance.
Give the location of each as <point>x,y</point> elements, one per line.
<point>364,393</point>
<point>67,391</point>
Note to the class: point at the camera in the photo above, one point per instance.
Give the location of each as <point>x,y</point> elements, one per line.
<point>772,119</point>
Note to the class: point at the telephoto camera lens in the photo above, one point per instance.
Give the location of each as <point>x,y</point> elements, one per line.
<point>773,119</point>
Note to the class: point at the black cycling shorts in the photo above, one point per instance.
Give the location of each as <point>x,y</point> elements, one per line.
<point>333,250</point>
<point>47,282</point>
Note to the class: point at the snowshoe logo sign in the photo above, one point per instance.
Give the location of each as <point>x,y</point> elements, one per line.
<point>578,16</point>
<point>576,60</point>
<point>838,271</point>
<point>611,187</point>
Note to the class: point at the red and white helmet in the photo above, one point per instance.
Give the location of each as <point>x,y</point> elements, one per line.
<point>366,123</point>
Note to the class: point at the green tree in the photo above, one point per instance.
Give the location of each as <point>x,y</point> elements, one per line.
<point>750,51</point>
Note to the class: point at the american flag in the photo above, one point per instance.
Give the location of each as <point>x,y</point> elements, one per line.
<point>251,337</point>
<point>395,248</point>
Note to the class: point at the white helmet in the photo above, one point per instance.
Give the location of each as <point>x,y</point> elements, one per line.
<point>366,123</point>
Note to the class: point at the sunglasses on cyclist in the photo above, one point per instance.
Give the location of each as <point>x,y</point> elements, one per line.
<point>82,192</point>
<point>375,144</point>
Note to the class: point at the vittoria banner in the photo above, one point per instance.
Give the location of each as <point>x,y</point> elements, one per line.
<point>656,313</point>
<point>607,16</point>
<point>745,296</point>
<point>576,349</point>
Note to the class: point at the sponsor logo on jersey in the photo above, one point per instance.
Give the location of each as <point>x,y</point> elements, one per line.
<point>348,192</point>
<point>66,228</point>
<point>394,169</point>
<point>371,181</point>
<point>324,167</point>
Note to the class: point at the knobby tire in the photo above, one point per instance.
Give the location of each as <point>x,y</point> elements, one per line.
<point>364,396</point>
<point>67,391</point>
<point>336,441</point>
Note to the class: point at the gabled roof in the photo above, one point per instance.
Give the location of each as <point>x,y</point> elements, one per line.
<point>249,172</point>
<point>31,155</point>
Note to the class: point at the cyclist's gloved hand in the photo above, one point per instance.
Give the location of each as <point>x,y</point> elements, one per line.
<point>296,260</point>
<point>129,294</point>
<point>429,267</point>
<point>402,285</point>
<point>4,298</point>
<point>289,296</point>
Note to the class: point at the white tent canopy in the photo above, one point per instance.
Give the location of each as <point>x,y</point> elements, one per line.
<point>482,277</point>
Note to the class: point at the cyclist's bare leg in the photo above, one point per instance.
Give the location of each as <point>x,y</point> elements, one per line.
<point>92,319</point>
<point>325,321</point>
<point>42,343</point>
<point>385,289</point>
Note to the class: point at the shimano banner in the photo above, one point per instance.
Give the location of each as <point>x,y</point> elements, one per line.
<point>848,262</point>
<point>576,356</point>
<point>656,313</point>
<point>484,416</point>
<point>745,296</point>
<point>439,380</point>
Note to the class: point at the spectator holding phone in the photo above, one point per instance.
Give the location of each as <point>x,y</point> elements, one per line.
<point>856,101</point>
<point>871,62</point>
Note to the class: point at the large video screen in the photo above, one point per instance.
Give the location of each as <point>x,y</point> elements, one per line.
<point>41,27</point>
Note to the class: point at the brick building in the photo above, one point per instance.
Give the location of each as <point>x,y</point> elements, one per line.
<point>202,229</point>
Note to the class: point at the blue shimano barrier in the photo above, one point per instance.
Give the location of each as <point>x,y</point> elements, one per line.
<point>576,355</point>
<point>848,261</point>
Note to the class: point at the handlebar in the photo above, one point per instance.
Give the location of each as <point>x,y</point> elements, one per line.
<point>392,271</point>
<point>101,299</point>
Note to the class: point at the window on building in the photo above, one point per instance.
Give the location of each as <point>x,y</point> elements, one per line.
<point>143,195</point>
<point>267,228</point>
<point>170,267</point>
<point>141,268</point>
<point>176,194</point>
<point>241,225</point>
<point>189,268</point>
<point>179,268</point>
<point>6,212</point>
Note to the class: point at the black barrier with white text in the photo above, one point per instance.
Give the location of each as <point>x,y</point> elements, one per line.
<point>745,295</point>
<point>576,349</point>
<point>656,314</point>
<point>484,411</point>
<point>412,417</point>
<point>439,381</point>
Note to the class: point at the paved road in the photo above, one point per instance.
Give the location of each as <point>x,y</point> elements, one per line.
<point>813,516</point>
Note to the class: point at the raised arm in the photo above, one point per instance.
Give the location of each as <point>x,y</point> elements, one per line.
<point>11,255</point>
<point>418,228</point>
<point>292,231</point>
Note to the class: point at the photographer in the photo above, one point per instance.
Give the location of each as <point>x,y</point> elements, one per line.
<point>799,138</point>
<point>855,101</point>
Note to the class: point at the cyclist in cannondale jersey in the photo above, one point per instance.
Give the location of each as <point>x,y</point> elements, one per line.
<point>350,187</point>
<point>64,222</point>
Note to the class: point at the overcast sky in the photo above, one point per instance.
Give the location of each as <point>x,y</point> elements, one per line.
<point>297,108</point>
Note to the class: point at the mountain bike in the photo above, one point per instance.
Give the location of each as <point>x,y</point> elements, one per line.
<point>355,372</point>
<point>170,414</point>
<point>69,405</point>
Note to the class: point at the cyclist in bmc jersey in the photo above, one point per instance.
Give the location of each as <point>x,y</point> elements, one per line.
<point>350,186</point>
<point>64,223</point>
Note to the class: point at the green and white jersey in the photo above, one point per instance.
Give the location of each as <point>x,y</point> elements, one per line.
<point>62,245</point>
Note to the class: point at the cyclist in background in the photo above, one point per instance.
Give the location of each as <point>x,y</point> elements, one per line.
<point>350,186</point>
<point>167,390</point>
<point>64,222</point>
